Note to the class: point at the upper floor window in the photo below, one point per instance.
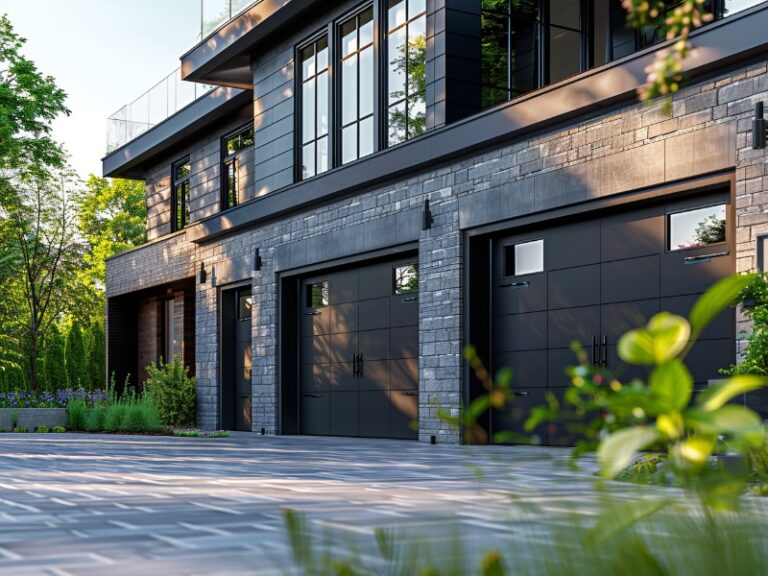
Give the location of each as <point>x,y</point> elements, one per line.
<point>315,107</point>
<point>357,100</point>
<point>232,148</point>
<point>406,74</point>
<point>180,173</point>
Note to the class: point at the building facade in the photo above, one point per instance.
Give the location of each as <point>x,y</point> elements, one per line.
<point>371,186</point>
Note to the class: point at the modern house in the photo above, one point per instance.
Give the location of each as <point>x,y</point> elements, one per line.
<point>369,186</point>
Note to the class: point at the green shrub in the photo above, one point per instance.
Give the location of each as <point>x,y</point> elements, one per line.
<point>20,429</point>
<point>114,417</point>
<point>77,415</point>
<point>142,416</point>
<point>42,429</point>
<point>97,418</point>
<point>185,433</point>
<point>58,429</point>
<point>174,393</point>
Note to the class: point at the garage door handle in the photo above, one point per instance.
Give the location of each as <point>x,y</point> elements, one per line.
<point>409,299</point>
<point>312,396</point>
<point>515,285</point>
<point>410,393</point>
<point>360,366</point>
<point>704,258</point>
<point>604,359</point>
<point>520,393</point>
<point>354,365</point>
<point>312,313</point>
<point>594,351</point>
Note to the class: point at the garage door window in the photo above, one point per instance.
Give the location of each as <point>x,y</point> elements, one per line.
<point>524,258</point>
<point>406,279</point>
<point>697,228</point>
<point>317,295</point>
<point>245,303</point>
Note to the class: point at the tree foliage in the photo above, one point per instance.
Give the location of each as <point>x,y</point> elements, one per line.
<point>76,362</point>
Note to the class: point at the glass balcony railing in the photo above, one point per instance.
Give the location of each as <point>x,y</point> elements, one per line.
<point>171,94</point>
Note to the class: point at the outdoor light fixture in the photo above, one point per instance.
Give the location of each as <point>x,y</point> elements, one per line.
<point>758,127</point>
<point>203,275</point>
<point>426,216</point>
<point>256,260</point>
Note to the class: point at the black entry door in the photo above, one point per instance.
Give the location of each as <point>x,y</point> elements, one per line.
<point>359,352</point>
<point>590,282</point>
<point>236,357</point>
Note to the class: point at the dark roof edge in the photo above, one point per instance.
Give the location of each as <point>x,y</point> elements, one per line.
<point>718,45</point>
<point>126,161</point>
<point>240,35</point>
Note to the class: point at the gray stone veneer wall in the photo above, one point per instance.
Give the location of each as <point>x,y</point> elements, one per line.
<point>613,151</point>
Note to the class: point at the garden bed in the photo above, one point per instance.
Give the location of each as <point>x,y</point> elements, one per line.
<point>31,418</point>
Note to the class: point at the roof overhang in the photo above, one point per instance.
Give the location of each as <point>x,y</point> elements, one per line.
<point>224,57</point>
<point>128,161</point>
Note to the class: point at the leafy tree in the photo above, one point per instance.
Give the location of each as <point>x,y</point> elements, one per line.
<point>410,121</point>
<point>54,365</point>
<point>29,102</point>
<point>77,369</point>
<point>96,356</point>
<point>112,218</point>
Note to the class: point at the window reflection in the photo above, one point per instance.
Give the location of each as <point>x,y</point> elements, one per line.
<point>696,228</point>
<point>406,74</point>
<point>406,279</point>
<point>180,187</point>
<point>315,108</point>
<point>317,294</point>
<point>357,97</point>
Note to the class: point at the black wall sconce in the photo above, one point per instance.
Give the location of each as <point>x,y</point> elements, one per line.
<point>758,127</point>
<point>203,275</point>
<point>256,260</point>
<point>426,216</point>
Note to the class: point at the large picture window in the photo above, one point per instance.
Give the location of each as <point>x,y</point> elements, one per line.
<point>180,173</point>
<point>315,107</point>
<point>406,69</point>
<point>357,102</point>
<point>232,148</point>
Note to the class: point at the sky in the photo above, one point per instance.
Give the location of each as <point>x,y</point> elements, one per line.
<point>103,54</point>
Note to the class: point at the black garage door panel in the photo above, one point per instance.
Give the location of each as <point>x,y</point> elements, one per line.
<point>574,287</point>
<point>598,280</point>
<point>520,297</point>
<point>359,372</point>
<point>343,413</point>
<point>633,234</point>
<point>572,324</point>
<point>520,332</point>
<point>630,279</point>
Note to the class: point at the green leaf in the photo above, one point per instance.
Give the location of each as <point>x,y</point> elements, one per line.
<point>665,336</point>
<point>717,298</point>
<point>671,385</point>
<point>616,451</point>
<point>730,419</point>
<point>693,453</point>
<point>718,394</point>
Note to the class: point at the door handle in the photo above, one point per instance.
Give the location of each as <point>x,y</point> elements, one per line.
<point>312,396</point>
<point>604,359</point>
<point>703,258</point>
<point>410,393</point>
<point>594,351</point>
<point>523,393</point>
<point>515,285</point>
<point>360,366</point>
<point>409,300</point>
<point>312,313</point>
<point>354,365</point>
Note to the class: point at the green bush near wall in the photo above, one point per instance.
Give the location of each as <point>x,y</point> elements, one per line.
<point>174,392</point>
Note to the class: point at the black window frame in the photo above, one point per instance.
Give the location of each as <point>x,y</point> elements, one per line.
<point>180,192</point>
<point>328,33</point>
<point>383,60</point>
<point>230,162</point>
<point>336,120</point>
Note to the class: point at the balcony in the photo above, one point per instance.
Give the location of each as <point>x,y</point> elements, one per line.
<point>170,94</point>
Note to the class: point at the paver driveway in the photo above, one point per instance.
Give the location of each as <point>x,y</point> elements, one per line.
<point>96,505</point>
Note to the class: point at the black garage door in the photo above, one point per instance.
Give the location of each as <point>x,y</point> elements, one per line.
<point>593,280</point>
<point>359,372</point>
